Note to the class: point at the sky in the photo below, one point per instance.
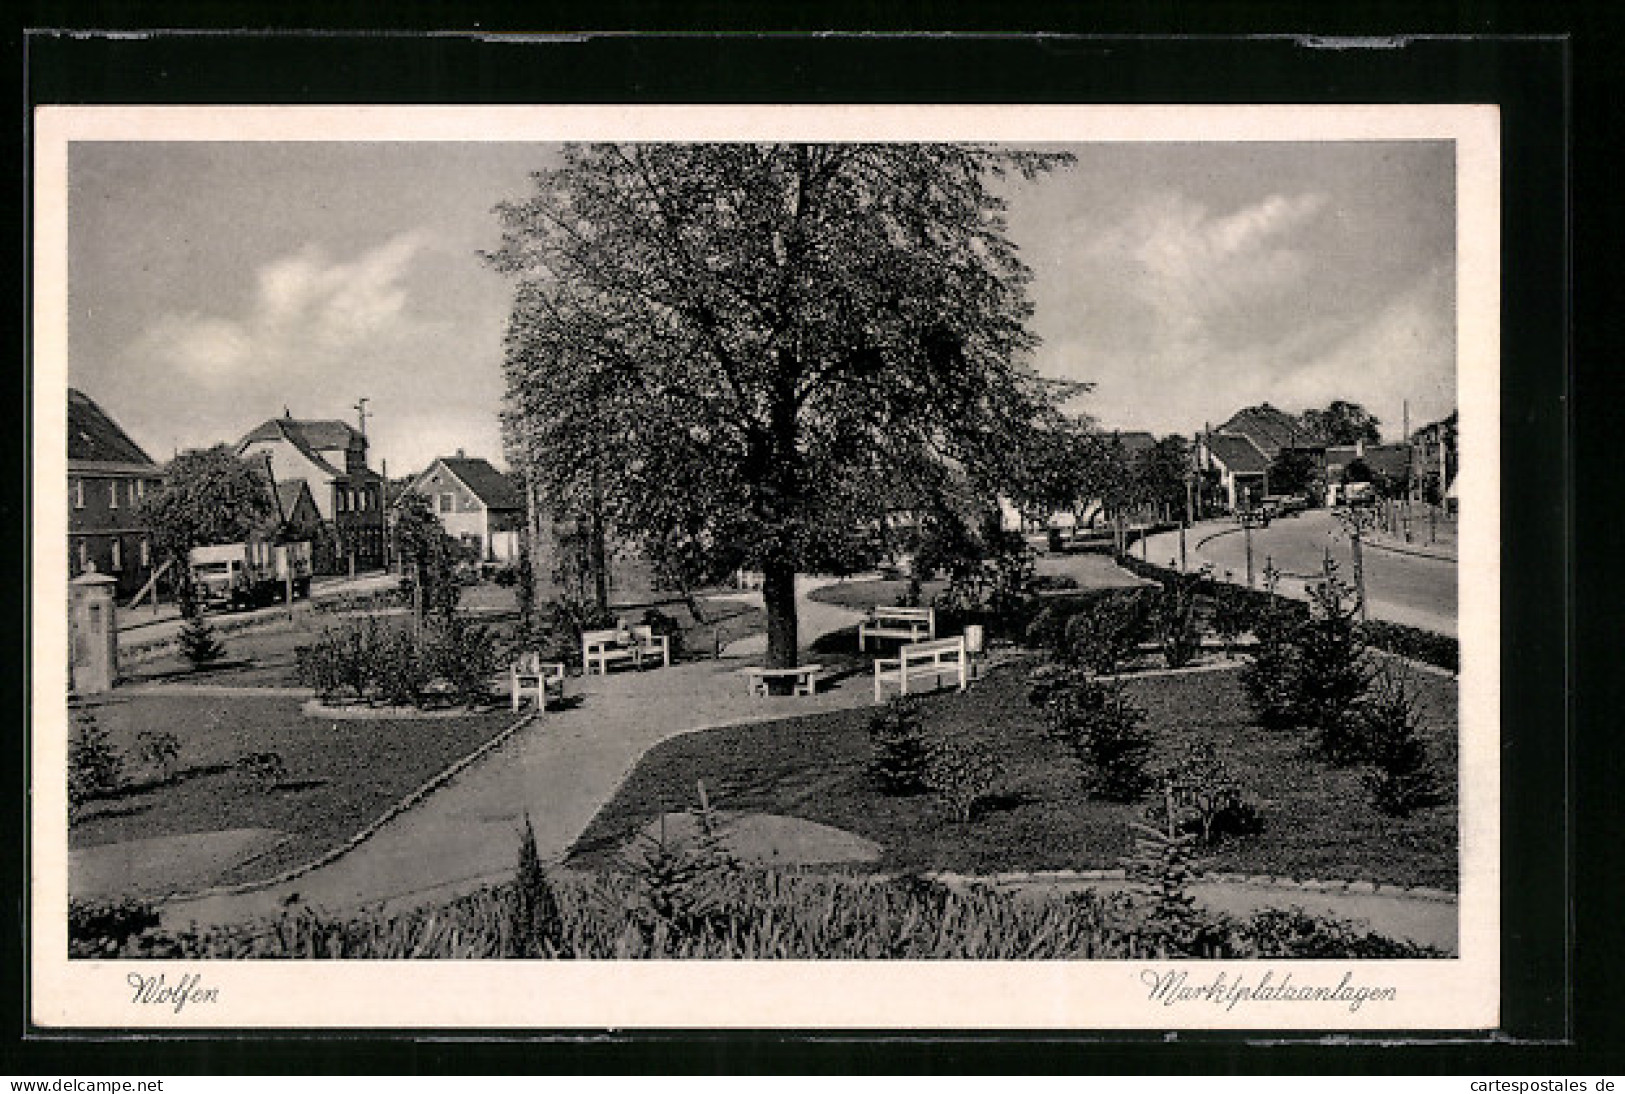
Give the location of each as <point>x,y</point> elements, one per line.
<point>212,285</point>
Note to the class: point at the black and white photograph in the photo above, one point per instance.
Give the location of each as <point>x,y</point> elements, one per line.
<point>885,566</point>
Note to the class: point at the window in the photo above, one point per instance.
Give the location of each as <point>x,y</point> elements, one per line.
<point>146,554</point>
<point>112,494</point>
<point>78,493</point>
<point>84,556</point>
<point>118,555</point>
<point>343,498</point>
<point>446,502</point>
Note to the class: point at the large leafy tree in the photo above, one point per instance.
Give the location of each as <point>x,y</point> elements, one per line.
<point>207,496</point>
<point>748,352</point>
<point>1343,422</point>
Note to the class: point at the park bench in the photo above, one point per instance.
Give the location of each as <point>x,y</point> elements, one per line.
<point>914,624</point>
<point>530,672</point>
<point>946,656</point>
<point>803,679</point>
<point>623,644</point>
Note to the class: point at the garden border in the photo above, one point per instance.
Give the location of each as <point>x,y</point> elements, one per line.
<point>1256,881</point>
<point>435,782</point>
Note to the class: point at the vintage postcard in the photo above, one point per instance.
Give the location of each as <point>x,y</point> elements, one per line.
<point>864,567</point>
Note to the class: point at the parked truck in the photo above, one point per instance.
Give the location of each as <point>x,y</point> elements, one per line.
<point>246,575</point>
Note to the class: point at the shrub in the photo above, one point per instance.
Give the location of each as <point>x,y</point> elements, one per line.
<point>1270,677</point>
<point>1174,925</point>
<point>1333,675</point>
<point>662,624</point>
<point>265,768</point>
<point>399,671</point>
<point>1044,583</point>
<point>198,643</point>
<point>563,623</point>
<point>535,929</point>
<point>159,750</point>
<point>964,774</point>
<point>1232,615</point>
<point>104,928</point>
<point>464,656</point>
<point>682,880</point>
<point>1401,780</point>
<point>1106,635</point>
<point>1202,799</point>
<point>900,751</point>
<point>95,768</point>
<point>1099,725</point>
<point>1440,650</point>
<point>1178,627</point>
<point>776,915</point>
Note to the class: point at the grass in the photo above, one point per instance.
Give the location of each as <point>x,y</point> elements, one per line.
<point>340,776</point>
<point>1089,571</point>
<point>1318,821</point>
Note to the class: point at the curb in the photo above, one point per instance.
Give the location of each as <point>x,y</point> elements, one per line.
<point>401,806</point>
<point>1253,881</point>
<point>1409,551</point>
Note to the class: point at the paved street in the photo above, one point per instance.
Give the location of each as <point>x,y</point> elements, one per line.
<point>1401,587</point>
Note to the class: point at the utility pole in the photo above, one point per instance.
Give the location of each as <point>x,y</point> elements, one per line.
<point>1247,536</point>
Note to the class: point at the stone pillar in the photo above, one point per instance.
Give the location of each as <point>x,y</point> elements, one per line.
<point>92,634</point>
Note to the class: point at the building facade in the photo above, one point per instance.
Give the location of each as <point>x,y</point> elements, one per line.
<point>476,503</point>
<point>108,478</point>
<point>331,458</point>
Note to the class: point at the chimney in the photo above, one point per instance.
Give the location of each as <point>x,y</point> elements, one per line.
<point>460,455</point>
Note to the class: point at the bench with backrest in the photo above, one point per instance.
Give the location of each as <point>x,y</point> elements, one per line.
<point>919,660</point>
<point>530,672</point>
<point>803,679</point>
<point>620,645</point>
<point>913,624</point>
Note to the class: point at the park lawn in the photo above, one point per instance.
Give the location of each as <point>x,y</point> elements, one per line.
<point>1090,571</point>
<point>340,775</point>
<point>1318,821</point>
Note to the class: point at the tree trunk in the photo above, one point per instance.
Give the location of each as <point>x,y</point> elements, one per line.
<point>779,597</point>
<point>597,556</point>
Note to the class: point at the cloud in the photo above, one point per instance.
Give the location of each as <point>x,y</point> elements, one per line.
<point>309,313</point>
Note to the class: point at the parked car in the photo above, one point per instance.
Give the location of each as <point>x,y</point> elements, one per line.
<point>246,575</point>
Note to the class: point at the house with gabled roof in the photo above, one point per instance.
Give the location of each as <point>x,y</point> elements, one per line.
<point>1240,464</point>
<point>1270,430</point>
<point>108,477</point>
<point>476,503</point>
<point>331,457</point>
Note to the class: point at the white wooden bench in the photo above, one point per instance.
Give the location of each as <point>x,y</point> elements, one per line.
<point>914,624</point>
<point>943,657</point>
<point>612,647</point>
<point>803,679</point>
<point>530,672</point>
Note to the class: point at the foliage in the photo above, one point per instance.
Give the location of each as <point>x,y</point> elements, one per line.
<point>1440,650</point>
<point>660,624</point>
<point>1343,423</point>
<point>774,915</point>
<point>536,928</point>
<point>964,774</point>
<point>1106,635</point>
<point>1401,780</point>
<point>698,330</point>
<point>159,751</point>
<point>1332,671</point>
<point>681,880</point>
<point>1271,674</point>
<point>1293,471</point>
<point>1099,725</point>
<point>464,656</point>
<point>1232,614</point>
<point>1201,798</point>
<point>1175,620</point>
<point>265,768</point>
<point>98,928</point>
<point>390,665</point>
<point>198,642</point>
<point>95,767</point>
<point>429,556</point>
<point>207,496</point>
<point>901,751</point>
<point>1174,925</point>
